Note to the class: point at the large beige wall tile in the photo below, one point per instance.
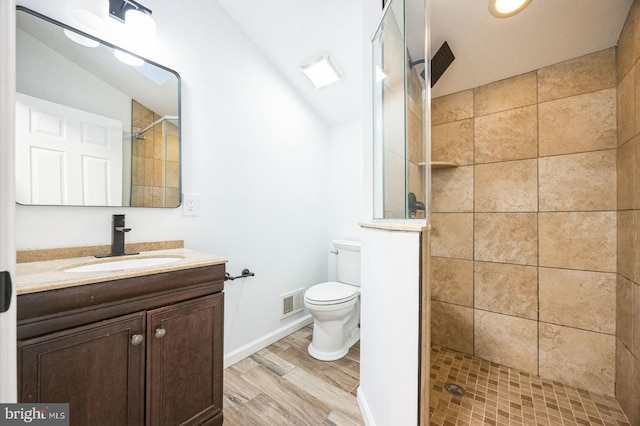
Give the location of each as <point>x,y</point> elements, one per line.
<point>508,135</point>
<point>588,73</point>
<point>507,340</point>
<point>452,280</point>
<point>173,148</point>
<point>636,246</point>
<point>158,145</point>
<point>506,94</point>
<point>578,182</point>
<point>506,289</point>
<point>173,174</point>
<point>510,186</point>
<point>452,235</point>
<point>627,46</point>
<point>625,178</point>
<point>453,142</point>
<point>454,107</point>
<point>415,142</point>
<point>636,172</point>
<point>506,238</point>
<point>158,173</point>
<point>579,358</point>
<point>625,253</point>
<point>628,383</point>
<point>148,170</point>
<point>626,108</point>
<point>636,320</point>
<point>637,97</point>
<point>452,190</point>
<point>578,240</point>
<point>452,326</point>
<point>624,311</point>
<point>578,123</point>
<point>580,299</point>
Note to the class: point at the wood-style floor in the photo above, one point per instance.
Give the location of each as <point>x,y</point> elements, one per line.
<point>283,385</point>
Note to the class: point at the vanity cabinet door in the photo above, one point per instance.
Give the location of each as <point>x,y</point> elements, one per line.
<point>98,369</point>
<point>184,363</point>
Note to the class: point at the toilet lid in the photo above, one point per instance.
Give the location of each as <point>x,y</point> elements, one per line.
<point>331,292</point>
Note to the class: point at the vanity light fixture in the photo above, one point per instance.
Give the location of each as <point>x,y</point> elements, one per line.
<point>322,72</point>
<point>90,14</point>
<point>119,8</point>
<point>139,29</point>
<point>506,8</point>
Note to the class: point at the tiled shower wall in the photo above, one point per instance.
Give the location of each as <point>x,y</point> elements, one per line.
<point>628,300</point>
<point>155,171</point>
<point>524,229</point>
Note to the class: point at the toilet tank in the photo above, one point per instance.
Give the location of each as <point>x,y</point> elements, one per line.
<point>348,261</point>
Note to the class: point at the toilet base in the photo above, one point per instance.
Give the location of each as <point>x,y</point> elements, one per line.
<point>340,353</point>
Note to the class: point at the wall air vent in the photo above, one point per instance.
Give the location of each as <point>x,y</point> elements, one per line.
<point>291,303</point>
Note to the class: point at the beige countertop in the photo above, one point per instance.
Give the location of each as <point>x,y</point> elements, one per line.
<point>46,275</point>
<point>406,225</point>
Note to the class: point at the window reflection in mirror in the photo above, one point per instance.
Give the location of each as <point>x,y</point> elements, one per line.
<point>90,129</point>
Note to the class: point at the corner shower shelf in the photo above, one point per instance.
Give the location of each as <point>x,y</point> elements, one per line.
<point>440,164</point>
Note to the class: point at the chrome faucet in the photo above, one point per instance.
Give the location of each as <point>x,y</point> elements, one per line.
<point>118,230</point>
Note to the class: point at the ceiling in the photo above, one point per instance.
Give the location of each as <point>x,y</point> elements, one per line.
<point>292,32</point>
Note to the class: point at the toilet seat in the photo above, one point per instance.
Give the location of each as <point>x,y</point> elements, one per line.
<point>330,293</point>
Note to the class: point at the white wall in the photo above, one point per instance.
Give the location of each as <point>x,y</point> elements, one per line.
<point>8,378</point>
<point>345,185</point>
<point>389,336</point>
<point>254,151</point>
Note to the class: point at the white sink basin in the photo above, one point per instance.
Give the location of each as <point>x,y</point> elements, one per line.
<point>124,264</point>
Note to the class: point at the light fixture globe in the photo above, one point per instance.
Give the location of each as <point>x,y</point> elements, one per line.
<point>506,8</point>
<point>140,25</point>
<point>80,39</point>
<point>90,14</point>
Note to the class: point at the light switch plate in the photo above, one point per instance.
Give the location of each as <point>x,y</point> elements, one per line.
<point>190,204</point>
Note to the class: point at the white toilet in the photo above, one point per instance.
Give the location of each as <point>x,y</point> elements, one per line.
<point>335,306</point>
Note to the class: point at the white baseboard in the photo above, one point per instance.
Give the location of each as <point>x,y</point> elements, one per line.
<point>264,341</point>
<point>364,409</point>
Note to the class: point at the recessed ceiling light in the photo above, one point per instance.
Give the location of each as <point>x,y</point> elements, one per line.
<point>506,8</point>
<point>322,72</point>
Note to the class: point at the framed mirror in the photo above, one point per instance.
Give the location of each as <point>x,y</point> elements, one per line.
<point>92,130</point>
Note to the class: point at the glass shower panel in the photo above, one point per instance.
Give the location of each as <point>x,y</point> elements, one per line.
<point>399,97</point>
<point>389,114</point>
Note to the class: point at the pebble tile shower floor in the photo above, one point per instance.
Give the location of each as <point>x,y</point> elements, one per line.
<point>501,396</point>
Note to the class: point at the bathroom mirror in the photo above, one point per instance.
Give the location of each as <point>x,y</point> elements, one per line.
<point>92,130</point>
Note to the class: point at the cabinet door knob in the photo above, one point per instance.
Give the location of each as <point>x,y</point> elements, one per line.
<point>136,339</point>
<point>160,332</point>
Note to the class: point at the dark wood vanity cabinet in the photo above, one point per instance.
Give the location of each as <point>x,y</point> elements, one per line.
<point>145,350</point>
